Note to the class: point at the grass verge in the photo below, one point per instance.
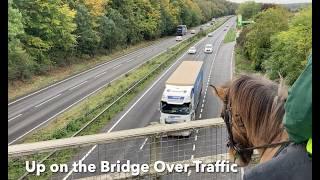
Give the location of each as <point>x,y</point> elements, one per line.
<point>230,36</point>
<point>243,65</point>
<point>71,121</point>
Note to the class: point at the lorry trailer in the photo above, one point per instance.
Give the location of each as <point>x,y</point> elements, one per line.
<point>182,94</point>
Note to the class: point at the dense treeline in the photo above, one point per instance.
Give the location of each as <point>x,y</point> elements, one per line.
<point>46,34</point>
<point>279,42</point>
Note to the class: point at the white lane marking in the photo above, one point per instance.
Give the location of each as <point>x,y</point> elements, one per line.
<point>77,85</point>
<point>231,71</point>
<point>130,60</point>
<point>15,117</point>
<point>115,67</point>
<point>196,137</point>
<point>197,130</point>
<point>100,74</point>
<point>200,116</point>
<point>144,142</point>
<point>203,100</point>
<point>189,172</point>
<point>241,172</point>
<point>47,100</point>
<point>194,147</point>
<point>192,156</point>
<point>201,110</point>
<point>202,105</point>
<point>117,122</point>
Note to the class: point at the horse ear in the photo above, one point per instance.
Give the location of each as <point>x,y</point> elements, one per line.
<point>219,91</point>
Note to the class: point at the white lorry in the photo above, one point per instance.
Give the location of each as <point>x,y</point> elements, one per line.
<point>181,95</point>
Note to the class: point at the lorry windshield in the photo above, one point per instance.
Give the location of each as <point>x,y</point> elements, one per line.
<point>183,109</point>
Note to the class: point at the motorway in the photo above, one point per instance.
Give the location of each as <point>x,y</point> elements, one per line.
<point>36,109</point>
<point>218,69</point>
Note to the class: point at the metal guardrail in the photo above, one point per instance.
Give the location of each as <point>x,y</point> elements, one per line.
<point>145,145</point>
<point>82,141</point>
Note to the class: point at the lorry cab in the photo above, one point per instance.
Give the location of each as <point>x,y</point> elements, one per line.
<point>182,30</point>
<point>177,105</point>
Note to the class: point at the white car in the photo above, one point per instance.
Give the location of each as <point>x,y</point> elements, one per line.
<point>192,50</point>
<point>208,48</point>
<point>210,35</point>
<point>193,31</point>
<point>179,38</point>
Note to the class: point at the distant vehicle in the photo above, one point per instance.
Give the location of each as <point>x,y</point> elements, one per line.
<point>224,29</point>
<point>208,48</point>
<point>211,23</point>
<point>208,25</point>
<point>227,26</point>
<point>210,35</point>
<point>192,50</point>
<point>178,38</point>
<point>193,31</point>
<point>182,94</point>
<point>182,30</point>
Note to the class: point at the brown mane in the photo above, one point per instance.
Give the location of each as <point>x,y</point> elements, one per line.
<point>260,104</point>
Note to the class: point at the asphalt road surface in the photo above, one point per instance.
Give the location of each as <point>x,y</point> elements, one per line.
<point>34,110</point>
<point>218,69</point>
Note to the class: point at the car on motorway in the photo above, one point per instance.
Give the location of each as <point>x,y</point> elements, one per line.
<point>225,29</point>
<point>193,31</point>
<point>210,35</point>
<point>178,38</point>
<point>192,50</point>
<point>208,48</point>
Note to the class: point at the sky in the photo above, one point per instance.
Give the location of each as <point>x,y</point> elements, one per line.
<point>275,1</point>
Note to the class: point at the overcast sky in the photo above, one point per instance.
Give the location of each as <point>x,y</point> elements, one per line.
<point>275,1</point>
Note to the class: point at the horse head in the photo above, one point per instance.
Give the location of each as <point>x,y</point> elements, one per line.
<point>253,110</point>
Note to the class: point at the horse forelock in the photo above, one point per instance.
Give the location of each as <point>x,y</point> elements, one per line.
<point>260,103</point>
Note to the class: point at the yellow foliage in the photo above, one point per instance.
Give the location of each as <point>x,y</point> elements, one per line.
<point>96,7</point>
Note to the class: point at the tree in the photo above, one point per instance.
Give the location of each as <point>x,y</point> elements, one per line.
<point>88,39</point>
<point>112,29</point>
<point>248,9</point>
<point>267,23</point>
<point>49,27</point>
<point>290,49</point>
<point>20,63</point>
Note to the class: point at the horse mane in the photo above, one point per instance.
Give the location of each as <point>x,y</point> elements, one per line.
<point>260,104</point>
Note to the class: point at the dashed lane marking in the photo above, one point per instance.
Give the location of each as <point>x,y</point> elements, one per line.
<point>47,100</point>
<point>77,85</point>
<point>15,117</point>
<point>115,67</point>
<point>100,74</point>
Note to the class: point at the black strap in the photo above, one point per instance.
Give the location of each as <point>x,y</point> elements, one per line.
<point>283,146</point>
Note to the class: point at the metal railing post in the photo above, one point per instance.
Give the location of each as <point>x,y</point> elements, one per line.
<point>155,151</point>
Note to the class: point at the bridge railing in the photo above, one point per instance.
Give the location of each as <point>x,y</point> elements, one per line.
<point>151,145</point>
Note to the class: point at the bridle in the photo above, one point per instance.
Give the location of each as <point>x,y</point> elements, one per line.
<point>227,117</point>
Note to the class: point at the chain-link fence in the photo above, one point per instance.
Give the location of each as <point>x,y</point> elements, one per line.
<point>159,147</point>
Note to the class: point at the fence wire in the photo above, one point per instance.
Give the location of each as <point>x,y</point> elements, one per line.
<point>205,144</point>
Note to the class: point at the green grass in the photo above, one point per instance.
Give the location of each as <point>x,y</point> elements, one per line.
<point>242,64</point>
<point>71,121</point>
<point>230,36</point>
